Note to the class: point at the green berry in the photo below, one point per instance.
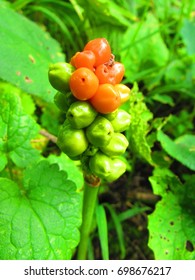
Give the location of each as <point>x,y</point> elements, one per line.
<point>100,132</point>
<point>71,141</point>
<point>81,114</point>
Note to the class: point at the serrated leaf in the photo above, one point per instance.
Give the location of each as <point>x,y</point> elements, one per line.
<point>182,149</point>
<point>140,115</point>
<point>39,220</point>
<point>16,131</point>
<point>26,52</point>
<point>73,172</point>
<point>171,232</point>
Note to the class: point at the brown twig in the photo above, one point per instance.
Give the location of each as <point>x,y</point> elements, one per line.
<point>48,135</point>
<point>144,196</point>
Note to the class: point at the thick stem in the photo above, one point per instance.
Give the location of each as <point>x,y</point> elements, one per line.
<point>89,202</point>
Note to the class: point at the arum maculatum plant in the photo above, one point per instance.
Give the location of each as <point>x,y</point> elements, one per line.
<point>90,94</point>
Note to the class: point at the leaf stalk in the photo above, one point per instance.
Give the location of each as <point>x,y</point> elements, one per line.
<point>91,189</point>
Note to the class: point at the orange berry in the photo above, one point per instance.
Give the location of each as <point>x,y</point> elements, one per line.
<point>83,83</point>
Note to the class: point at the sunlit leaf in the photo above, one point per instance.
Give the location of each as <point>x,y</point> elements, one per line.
<point>182,149</point>
<point>40,219</point>
<point>171,225</point>
<point>16,131</point>
<point>26,52</point>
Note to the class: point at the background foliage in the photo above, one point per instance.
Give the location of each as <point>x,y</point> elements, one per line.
<point>41,189</point>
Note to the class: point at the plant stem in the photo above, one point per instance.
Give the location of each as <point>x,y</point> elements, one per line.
<point>89,202</point>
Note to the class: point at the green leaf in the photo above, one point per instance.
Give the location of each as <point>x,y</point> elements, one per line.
<point>175,74</point>
<point>26,52</point>
<point>171,233</point>
<point>140,115</point>
<point>188,35</point>
<point>163,98</point>
<point>16,131</point>
<point>167,10</point>
<point>182,149</point>
<point>27,101</point>
<point>3,160</point>
<point>107,11</point>
<point>180,124</point>
<point>143,51</point>
<point>50,118</point>
<point>102,231</point>
<point>74,173</point>
<point>40,219</point>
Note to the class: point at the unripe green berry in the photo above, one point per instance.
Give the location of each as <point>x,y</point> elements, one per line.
<point>63,101</point>
<point>100,132</point>
<point>118,169</point>
<point>59,75</point>
<point>81,114</point>
<point>71,141</point>
<point>117,145</point>
<point>100,165</point>
<point>122,121</point>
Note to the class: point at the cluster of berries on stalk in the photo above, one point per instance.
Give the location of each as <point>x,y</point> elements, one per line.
<point>90,94</point>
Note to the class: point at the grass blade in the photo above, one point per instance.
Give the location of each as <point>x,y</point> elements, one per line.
<point>52,16</point>
<point>119,229</point>
<point>102,231</point>
<point>132,212</point>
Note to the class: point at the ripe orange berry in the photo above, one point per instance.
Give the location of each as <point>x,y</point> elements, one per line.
<point>101,48</point>
<point>83,59</point>
<point>110,74</point>
<point>106,99</point>
<point>83,83</point>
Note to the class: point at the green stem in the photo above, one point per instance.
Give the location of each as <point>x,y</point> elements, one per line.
<point>89,202</point>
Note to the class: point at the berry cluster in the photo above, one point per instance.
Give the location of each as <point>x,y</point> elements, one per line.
<point>90,93</point>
